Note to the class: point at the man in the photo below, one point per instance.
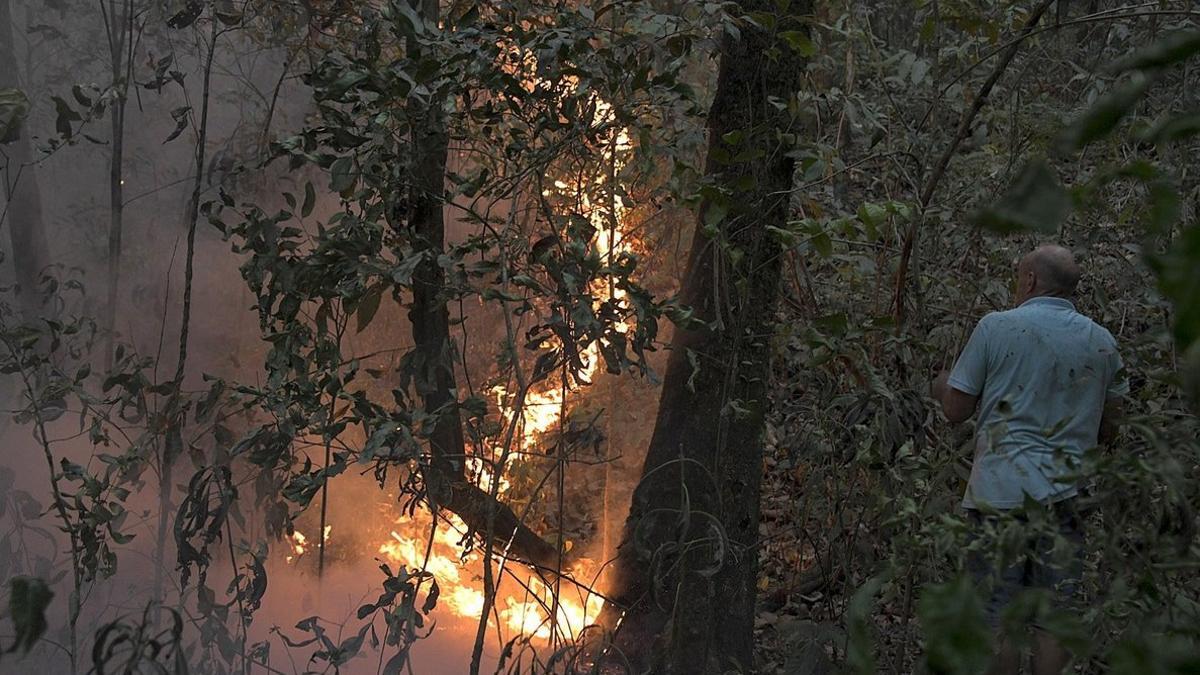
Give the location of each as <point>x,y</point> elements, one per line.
<point>1047,381</point>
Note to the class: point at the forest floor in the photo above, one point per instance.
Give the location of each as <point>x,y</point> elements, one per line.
<point>799,625</point>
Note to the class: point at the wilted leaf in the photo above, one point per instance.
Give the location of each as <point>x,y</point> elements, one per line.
<point>180,115</point>
<point>431,598</point>
<point>1036,201</point>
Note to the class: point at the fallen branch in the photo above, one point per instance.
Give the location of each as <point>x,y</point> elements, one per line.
<point>473,505</point>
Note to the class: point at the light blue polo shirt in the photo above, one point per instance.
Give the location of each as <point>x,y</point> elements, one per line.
<point>1042,372</point>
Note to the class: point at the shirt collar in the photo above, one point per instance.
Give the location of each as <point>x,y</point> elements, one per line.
<point>1049,301</point>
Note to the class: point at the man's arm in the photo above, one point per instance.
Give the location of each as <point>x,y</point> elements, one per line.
<point>958,391</point>
<point>957,405</point>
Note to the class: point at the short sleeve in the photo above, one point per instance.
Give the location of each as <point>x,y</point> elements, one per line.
<point>970,370</point>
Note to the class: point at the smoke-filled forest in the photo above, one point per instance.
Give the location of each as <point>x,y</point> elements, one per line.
<point>599,337</point>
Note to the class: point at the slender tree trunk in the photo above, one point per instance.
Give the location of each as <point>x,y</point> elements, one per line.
<point>433,359</point>
<point>120,36</point>
<point>172,446</point>
<point>22,191</point>
<point>685,571</point>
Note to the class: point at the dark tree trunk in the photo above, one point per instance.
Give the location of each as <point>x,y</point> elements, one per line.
<point>433,355</point>
<point>30,253</point>
<point>684,575</point>
<point>120,37</point>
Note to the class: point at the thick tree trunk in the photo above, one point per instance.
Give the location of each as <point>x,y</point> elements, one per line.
<point>433,354</point>
<point>684,576</point>
<point>26,229</point>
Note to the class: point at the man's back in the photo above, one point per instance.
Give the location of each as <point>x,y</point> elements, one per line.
<point>1042,372</point>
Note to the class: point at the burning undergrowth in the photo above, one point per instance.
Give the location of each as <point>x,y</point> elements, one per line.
<point>543,430</point>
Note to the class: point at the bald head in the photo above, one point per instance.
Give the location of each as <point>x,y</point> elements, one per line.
<point>1047,270</point>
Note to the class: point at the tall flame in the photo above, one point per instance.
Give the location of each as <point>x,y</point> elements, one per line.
<point>416,543</point>
<point>525,603</point>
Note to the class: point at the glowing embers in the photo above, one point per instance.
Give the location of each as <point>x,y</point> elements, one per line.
<point>524,602</point>
<point>300,544</point>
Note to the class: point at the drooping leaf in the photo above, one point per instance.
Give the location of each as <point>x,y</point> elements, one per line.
<point>310,200</point>
<point>82,98</point>
<point>408,22</point>
<point>64,115</point>
<point>27,602</point>
<point>368,306</point>
<point>180,115</point>
<point>1036,201</point>
<point>1178,272</point>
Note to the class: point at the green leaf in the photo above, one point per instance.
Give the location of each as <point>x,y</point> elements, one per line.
<point>714,212</point>
<point>341,176</point>
<point>14,108</point>
<point>1172,49</point>
<point>1174,128</point>
<point>1035,201</point>
<point>957,639</point>
<point>859,653</point>
<point>310,200</point>
<point>871,215</point>
<point>823,244</point>
<point>799,41</point>
<point>1178,272</point>
<point>368,306</point>
<point>408,21</point>
<point>1099,120</point>
<point>28,599</point>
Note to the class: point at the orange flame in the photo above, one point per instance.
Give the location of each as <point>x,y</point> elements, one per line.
<point>526,612</point>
